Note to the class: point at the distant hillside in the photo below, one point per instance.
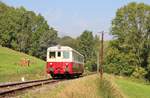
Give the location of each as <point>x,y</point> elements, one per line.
<point>13,66</point>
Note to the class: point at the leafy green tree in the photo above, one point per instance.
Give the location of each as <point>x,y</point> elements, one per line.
<point>119,63</point>
<point>46,40</point>
<point>40,28</point>
<point>131,30</point>
<point>68,41</point>
<point>86,46</point>
<point>25,31</point>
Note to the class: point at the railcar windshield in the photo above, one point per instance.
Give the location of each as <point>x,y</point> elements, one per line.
<point>65,54</point>
<point>52,54</point>
<point>59,54</point>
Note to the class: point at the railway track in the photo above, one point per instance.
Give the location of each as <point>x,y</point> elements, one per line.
<point>6,89</point>
<point>11,88</point>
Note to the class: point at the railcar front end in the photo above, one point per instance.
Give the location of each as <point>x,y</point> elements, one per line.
<point>64,61</point>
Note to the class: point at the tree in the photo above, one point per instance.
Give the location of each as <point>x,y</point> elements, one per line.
<point>68,41</point>
<point>25,31</point>
<point>131,30</point>
<point>48,39</point>
<point>86,46</point>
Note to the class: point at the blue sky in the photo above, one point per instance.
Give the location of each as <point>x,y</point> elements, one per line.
<point>72,17</point>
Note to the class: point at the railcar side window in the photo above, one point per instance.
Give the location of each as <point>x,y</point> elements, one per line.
<point>65,54</point>
<point>52,55</point>
<point>75,56</point>
<point>59,54</point>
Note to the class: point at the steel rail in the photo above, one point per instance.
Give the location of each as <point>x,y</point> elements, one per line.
<point>5,92</point>
<point>20,86</point>
<point>17,83</point>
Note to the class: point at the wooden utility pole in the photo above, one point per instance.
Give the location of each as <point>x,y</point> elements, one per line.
<point>101,56</point>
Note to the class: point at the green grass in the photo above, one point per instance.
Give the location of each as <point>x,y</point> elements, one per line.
<point>93,87</point>
<point>10,69</point>
<point>109,89</point>
<point>133,89</point>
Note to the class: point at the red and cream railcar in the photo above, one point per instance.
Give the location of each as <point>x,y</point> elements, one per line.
<point>63,60</point>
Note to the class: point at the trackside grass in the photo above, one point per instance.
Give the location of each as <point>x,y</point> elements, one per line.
<point>133,89</point>
<point>10,70</point>
<point>93,87</point>
<point>109,89</point>
<point>86,87</point>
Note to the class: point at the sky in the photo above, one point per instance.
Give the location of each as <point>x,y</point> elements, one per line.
<point>72,17</point>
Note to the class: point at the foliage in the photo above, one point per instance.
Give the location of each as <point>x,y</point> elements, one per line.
<point>68,41</point>
<point>91,65</point>
<point>139,72</point>
<point>46,40</point>
<point>130,48</point>
<point>119,63</point>
<point>147,76</point>
<point>86,43</point>
<point>28,32</point>
<point>25,31</point>
<point>87,47</point>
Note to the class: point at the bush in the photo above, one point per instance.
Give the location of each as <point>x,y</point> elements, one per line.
<point>127,70</point>
<point>139,72</point>
<point>111,68</point>
<point>119,69</point>
<point>120,63</point>
<point>91,66</point>
<point>147,76</point>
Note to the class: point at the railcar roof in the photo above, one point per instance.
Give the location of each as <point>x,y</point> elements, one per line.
<point>58,48</point>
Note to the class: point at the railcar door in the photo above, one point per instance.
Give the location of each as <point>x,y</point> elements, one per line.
<point>59,66</point>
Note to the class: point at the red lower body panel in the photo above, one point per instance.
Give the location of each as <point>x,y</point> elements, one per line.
<point>64,68</point>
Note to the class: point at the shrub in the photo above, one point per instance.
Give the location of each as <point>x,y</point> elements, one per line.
<point>90,65</point>
<point>120,63</point>
<point>139,72</point>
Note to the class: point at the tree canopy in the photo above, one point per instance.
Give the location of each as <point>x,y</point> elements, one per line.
<point>130,48</point>
<point>28,32</point>
<point>127,54</point>
<point>25,31</point>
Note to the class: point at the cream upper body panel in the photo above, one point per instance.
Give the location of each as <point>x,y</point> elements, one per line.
<point>62,54</point>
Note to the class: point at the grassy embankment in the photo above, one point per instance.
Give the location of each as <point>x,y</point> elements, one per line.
<point>124,87</point>
<point>11,70</point>
<point>93,87</point>
<point>109,89</point>
<point>133,89</point>
<point>86,87</point>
